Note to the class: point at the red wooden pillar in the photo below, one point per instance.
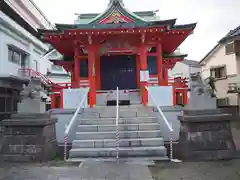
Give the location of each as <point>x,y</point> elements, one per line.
<point>143,66</point>
<point>53,101</point>
<point>166,75</point>
<point>72,79</point>
<point>61,99</point>
<point>76,66</point>
<point>159,64</point>
<point>174,96</point>
<point>91,75</point>
<point>98,73</point>
<point>185,95</point>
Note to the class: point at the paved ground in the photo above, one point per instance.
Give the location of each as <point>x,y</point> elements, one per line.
<point>222,170</point>
<point>225,170</point>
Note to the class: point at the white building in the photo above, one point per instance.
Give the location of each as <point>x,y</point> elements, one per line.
<point>223,63</point>
<point>184,69</point>
<point>20,48</point>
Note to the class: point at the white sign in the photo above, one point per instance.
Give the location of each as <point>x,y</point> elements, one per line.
<point>72,98</point>
<point>163,96</point>
<point>144,76</point>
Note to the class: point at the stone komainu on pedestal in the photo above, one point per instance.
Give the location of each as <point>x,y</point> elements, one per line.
<point>205,132</point>
<point>32,98</point>
<point>28,137</point>
<point>205,135</point>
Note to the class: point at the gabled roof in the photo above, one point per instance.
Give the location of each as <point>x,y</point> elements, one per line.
<point>117,16</point>
<point>142,14</point>
<point>215,48</point>
<point>231,34</point>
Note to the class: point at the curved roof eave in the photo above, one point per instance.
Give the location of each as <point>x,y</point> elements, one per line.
<point>191,26</point>
<point>170,23</point>
<point>173,55</point>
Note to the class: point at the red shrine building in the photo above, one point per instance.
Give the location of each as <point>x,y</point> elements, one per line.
<point>119,48</point>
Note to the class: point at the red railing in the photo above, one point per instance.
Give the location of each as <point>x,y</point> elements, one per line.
<point>32,73</point>
<point>176,82</point>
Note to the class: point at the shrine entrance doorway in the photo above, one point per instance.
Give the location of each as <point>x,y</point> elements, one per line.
<point>118,70</point>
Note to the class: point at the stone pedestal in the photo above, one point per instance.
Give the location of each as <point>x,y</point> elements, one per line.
<point>28,137</point>
<point>205,135</point>
<point>31,106</point>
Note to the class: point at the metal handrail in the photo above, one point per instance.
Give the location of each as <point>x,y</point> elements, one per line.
<point>166,122</point>
<point>72,121</point>
<point>117,128</point>
<point>160,111</point>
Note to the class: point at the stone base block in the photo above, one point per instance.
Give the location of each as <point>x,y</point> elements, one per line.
<point>205,136</point>
<point>28,137</point>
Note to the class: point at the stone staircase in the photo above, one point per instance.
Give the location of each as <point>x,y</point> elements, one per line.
<point>139,134</point>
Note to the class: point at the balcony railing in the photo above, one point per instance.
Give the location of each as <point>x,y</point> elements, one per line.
<point>29,73</point>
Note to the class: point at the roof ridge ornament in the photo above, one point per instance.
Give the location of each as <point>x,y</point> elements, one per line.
<point>114,2</point>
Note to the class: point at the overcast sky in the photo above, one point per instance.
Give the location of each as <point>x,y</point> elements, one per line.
<point>214,17</point>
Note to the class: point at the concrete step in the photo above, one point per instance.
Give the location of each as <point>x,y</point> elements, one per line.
<point>123,152</point>
<point>89,115</point>
<point>121,127</point>
<point>123,114</point>
<point>102,143</point>
<point>129,120</point>
<point>127,159</point>
<point>124,111</point>
<point>113,108</point>
<point>122,134</point>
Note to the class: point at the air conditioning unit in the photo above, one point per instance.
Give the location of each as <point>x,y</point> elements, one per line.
<point>233,87</point>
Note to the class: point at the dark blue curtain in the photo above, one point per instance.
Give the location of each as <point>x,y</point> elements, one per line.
<point>152,65</point>
<point>83,68</point>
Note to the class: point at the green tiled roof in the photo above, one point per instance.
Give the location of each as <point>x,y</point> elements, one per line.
<point>119,6</point>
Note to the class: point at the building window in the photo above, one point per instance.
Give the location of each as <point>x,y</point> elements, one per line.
<point>8,100</point>
<point>219,72</point>
<point>152,65</point>
<point>84,68</point>
<point>229,48</point>
<point>17,56</point>
<point>35,65</point>
<point>14,56</point>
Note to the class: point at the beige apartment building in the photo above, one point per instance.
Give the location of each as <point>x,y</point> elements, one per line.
<point>223,63</point>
